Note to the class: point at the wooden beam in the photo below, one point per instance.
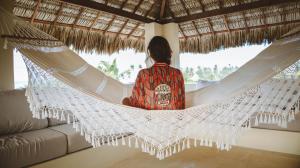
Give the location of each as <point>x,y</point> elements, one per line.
<point>150,9</point>
<point>173,17</point>
<point>228,10</point>
<point>108,9</point>
<point>142,35</point>
<point>109,24</point>
<point>210,26</point>
<point>137,6</point>
<point>196,28</point>
<point>185,8</point>
<point>121,29</point>
<point>264,18</point>
<point>125,23</point>
<point>201,5</point>
<point>220,4</point>
<point>282,14</point>
<point>35,11</point>
<point>81,10</point>
<point>133,30</point>
<point>181,31</point>
<point>95,20</point>
<point>114,17</point>
<point>58,13</point>
<point>188,13</point>
<point>162,9</point>
<point>137,25</point>
<point>226,23</point>
<point>123,4</point>
<point>245,21</point>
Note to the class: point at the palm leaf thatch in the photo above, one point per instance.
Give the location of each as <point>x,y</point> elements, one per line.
<point>204,25</point>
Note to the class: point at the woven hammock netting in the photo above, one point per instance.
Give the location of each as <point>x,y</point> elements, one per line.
<point>63,86</point>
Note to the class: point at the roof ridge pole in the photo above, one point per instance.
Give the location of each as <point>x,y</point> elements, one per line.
<point>170,31</point>
<point>37,6</point>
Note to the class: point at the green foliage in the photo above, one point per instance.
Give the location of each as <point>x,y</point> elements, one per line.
<point>112,70</point>
<point>188,74</point>
<point>207,73</point>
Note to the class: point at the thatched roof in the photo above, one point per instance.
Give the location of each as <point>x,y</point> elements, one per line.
<point>205,25</point>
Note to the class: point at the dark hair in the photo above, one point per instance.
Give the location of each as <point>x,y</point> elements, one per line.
<point>160,50</point>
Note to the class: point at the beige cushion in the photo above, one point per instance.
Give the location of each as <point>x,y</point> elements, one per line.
<point>55,122</point>
<point>23,149</point>
<point>75,140</point>
<point>15,115</point>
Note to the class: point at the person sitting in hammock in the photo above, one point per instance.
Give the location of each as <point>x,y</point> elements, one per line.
<point>160,87</point>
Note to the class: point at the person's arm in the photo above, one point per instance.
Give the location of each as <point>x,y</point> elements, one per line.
<point>182,97</point>
<point>136,92</point>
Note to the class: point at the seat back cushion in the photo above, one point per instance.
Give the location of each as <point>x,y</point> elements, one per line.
<point>15,115</point>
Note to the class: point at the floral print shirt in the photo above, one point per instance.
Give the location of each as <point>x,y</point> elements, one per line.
<point>159,87</point>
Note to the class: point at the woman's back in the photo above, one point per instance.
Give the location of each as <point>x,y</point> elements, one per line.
<point>159,87</point>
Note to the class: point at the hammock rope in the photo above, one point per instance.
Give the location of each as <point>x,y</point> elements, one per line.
<point>63,86</point>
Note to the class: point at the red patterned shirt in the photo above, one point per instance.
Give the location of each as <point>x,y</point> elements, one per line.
<point>159,87</point>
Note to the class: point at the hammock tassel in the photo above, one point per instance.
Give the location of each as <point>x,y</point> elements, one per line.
<point>167,153</point>
<point>123,141</point>
<point>153,152</point>
<point>195,142</point>
<point>178,148</point>
<point>162,155</point>
<point>269,119</point>
<point>116,141</point>
<point>143,147</point>
<point>108,141</point>
<point>62,116</point>
<point>98,142</point>
<point>170,151</point>
<point>102,141</point>
<point>273,119</point>
<point>265,119</point>
<point>210,143</point>
<point>183,145</point>
<point>188,144</point>
<point>206,142</point>
<point>174,150</point>
<point>76,127</point>
<point>5,44</point>
<point>81,131</point>
<point>113,142</point>
<point>136,143</point>
<point>129,142</point>
<point>260,118</point>
<point>201,142</point>
<point>68,119</point>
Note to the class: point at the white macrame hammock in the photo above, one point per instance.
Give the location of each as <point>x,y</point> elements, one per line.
<point>63,86</point>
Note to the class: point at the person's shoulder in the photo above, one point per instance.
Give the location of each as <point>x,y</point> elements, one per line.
<point>178,71</point>
<point>143,71</point>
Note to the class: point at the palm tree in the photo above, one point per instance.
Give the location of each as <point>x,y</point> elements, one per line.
<point>111,70</point>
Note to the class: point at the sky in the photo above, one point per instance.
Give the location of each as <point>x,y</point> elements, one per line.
<point>233,56</point>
